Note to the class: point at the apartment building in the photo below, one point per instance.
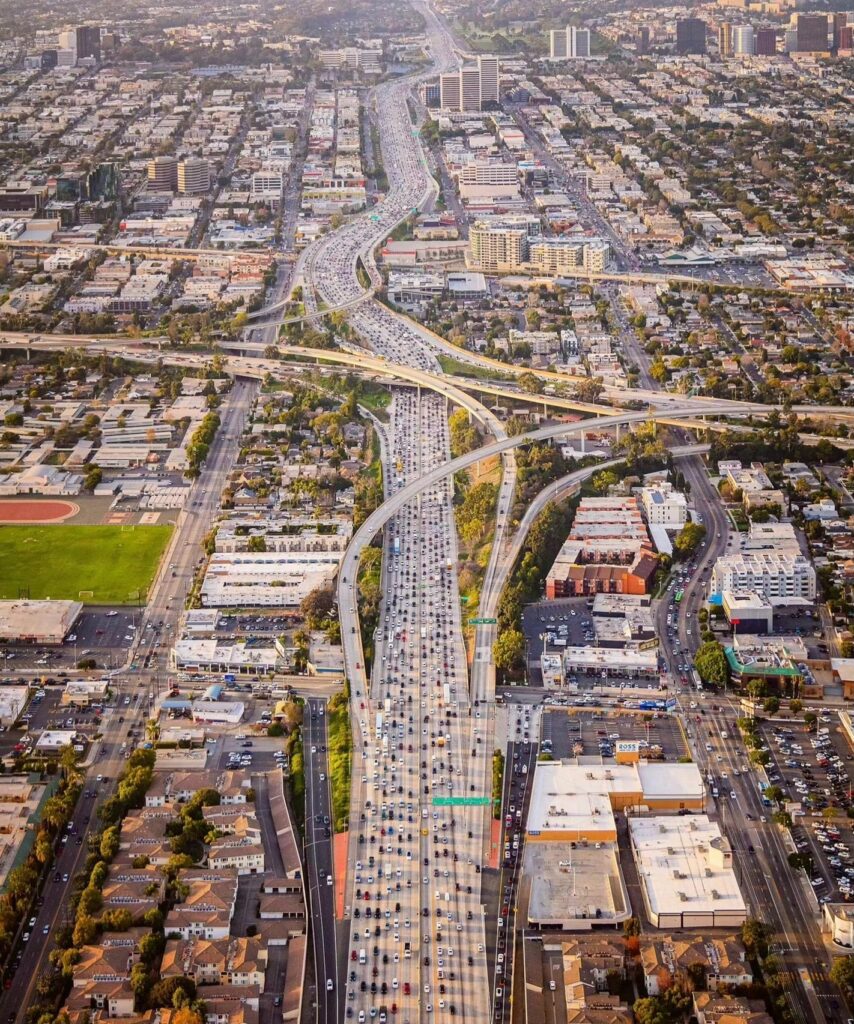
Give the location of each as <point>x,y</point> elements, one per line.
<point>782,578</point>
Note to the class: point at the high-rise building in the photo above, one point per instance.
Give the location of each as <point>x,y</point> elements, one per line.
<point>742,40</point>
<point>557,44</point>
<point>450,96</point>
<point>840,23</point>
<point>845,38</point>
<point>766,42</point>
<point>163,174</point>
<point>432,94</point>
<point>691,35</point>
<point>470,95</point>
<point>578,41</point>
<point>194,176</point>
<point>642,41</point>
<point>495,248</point>
<point>49,60</point>
<point>88,39</point>
<point>725,38</point>
<point>812,33</point>
<point>489,78</point>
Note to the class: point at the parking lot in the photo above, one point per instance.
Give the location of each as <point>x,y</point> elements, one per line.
<point>104,635</point>
<point>571,732</point>
<point>814,769</point>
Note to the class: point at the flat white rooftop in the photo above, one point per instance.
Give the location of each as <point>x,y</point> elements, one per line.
<point>566,794</point>
<point>685,868</point>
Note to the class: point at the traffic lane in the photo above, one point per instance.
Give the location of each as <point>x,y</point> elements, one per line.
<point>319,851</point>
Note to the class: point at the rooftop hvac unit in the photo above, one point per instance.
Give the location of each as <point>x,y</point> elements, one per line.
<point>715,894</point>
<point>676,873</point>
<point>692,825</point>
<point>708,872</point>
<point>682,897</point>
<point>671,852</point>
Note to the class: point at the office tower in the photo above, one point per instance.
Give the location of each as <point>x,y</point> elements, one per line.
<point>557,44</point>
<point>449,91</point>
<point>470,98</point>
<point>88,40</point>
<point>68,39</point>
<point>725,38</point>
<point>845,38</point>
<point>432,95</point>
<point>578,41</point>
<point>812,33</point>
<point>766,42</point>
<point>49,60</point>
<point>840,22</point>
<point>489,75</point>
<point>691,35</point>
<point>163,174</point>
<point>642,42</point>
<point>194,176</point>
<point>742,40</point>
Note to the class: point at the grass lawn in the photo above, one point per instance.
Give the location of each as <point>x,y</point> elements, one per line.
<point>462,369</point>
<point>340,748</point>
<point>62,561</point>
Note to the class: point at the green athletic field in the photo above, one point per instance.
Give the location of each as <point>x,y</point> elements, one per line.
<point>93,564</point>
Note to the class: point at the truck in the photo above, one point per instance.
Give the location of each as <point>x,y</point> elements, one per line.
<point>363,956</point>
<point>446,693</point>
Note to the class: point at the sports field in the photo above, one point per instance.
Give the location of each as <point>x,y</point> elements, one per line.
<point>93,564</point>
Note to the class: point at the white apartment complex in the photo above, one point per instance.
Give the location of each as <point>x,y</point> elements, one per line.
<point>664,506</point>
<point>782,578</point>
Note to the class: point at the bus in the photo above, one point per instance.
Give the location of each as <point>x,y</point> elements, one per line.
<point>698,682</point>
<point>679,595</point>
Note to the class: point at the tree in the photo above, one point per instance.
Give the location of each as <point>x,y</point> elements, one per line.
<point>316,606</point>
<point>842,973</point>
<point>795,706</point>
<point>688,539</point>
<point>710,661</point>
<point>771,705</point>
<point>754,935</point>
<point>164,991</point>
<point>256,544</point>
<point>509,649</point>
<point>531,383</point>
<point>810,720</point>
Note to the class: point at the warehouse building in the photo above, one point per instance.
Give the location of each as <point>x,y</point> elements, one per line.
<point>37,622</point>
<point>685,867</point>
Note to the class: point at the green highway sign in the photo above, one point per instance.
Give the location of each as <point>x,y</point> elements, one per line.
<point>483,622</point>
<point>461,801</point>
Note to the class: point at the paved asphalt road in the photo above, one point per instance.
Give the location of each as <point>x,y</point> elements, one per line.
<point>318,852</point>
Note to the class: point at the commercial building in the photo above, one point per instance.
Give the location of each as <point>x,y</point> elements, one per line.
<point>812,33</point>
<point>748,612</point>
<point>266,579</point>
<point>571,802</point>
<point>685,868</point>
<point>244,658</point>
<point>488,180</point>
<point>450,94</point>
<point>13,700</point>
<point>470,92</point>
<point>471,86</point>
<point>691,36</point>
<point>766,42</point>
<point>489,78</point>
<point>37,622</point>
<point>194,176</point>
<point>162,173</point>
<point>725,38</point>
<point>568,43</point>
<point>642,41</point>
<point>743,42</point>
<point>782,578</point>
<point>88,41</point>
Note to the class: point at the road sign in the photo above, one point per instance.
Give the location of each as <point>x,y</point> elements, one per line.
<point>483,622</point>
<point>461,801</point>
